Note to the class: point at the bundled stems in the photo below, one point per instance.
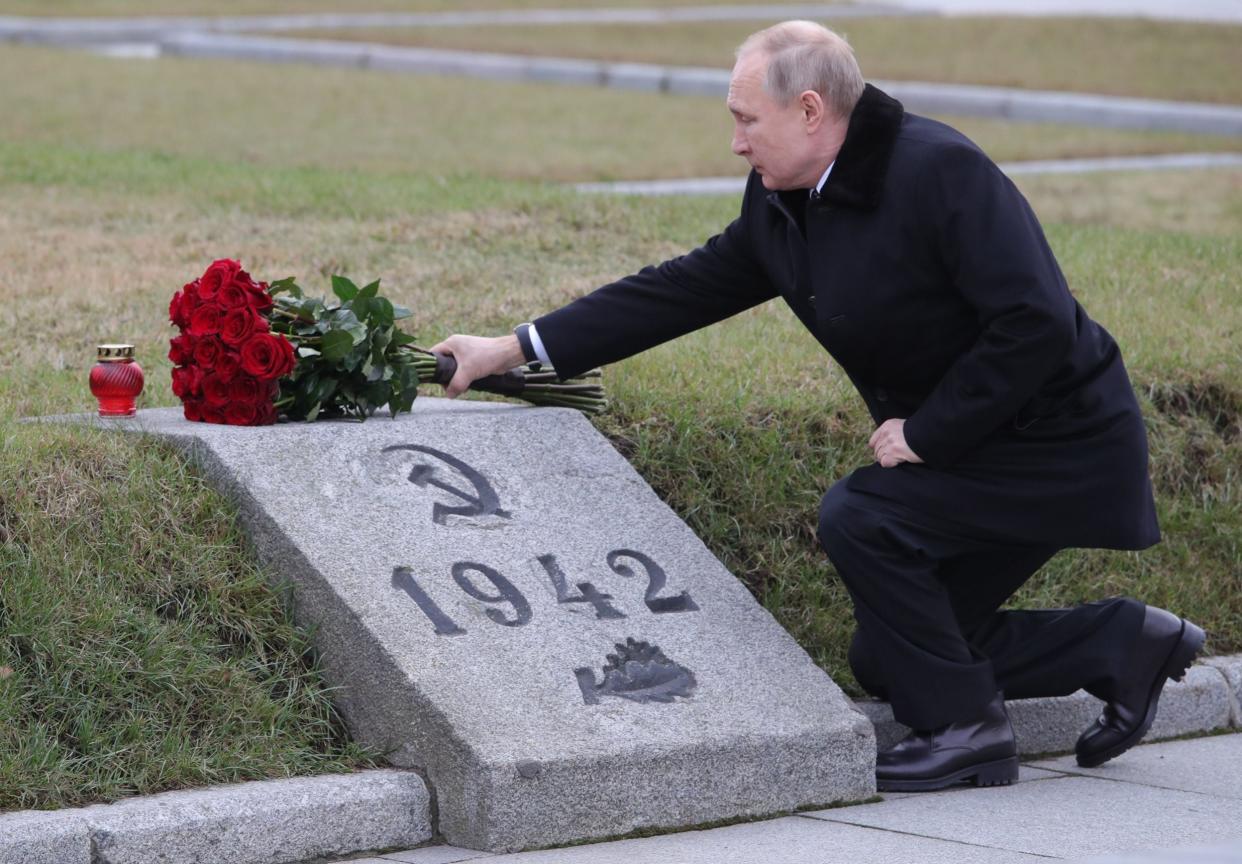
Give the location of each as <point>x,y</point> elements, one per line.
<point>533,383</point>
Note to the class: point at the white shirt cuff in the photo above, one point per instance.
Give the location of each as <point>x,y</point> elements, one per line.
<point>537,344</point>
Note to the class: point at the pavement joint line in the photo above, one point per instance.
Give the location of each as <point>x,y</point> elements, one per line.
<point>934,837</point>
<point>1127,781</point>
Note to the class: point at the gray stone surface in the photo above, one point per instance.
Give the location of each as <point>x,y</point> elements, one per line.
<point>1198,703</point>
<point>44,837</point>
<point>790,840</point>
<point>269,822</point>
<point>1071,817</point>
<point>503,706</point>
<point>1231,668</point>
<point>1208,766</point>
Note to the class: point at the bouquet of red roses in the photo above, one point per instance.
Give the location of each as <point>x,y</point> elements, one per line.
<point>249,351</point>
<point>228,362</point>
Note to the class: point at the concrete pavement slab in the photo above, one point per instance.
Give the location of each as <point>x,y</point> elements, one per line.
<point>1204,765</point>
<point>1070,817</point>
<point>436,855</point>
<point>1216,853</point>
<point>789,840</point>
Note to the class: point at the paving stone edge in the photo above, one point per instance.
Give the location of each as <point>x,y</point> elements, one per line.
<point>1207,699</point>
<point>284,821</point>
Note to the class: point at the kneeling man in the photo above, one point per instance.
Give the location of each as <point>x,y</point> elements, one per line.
<point>1006,425</point>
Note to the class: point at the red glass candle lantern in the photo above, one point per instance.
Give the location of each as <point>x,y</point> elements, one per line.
<point>116,380</point>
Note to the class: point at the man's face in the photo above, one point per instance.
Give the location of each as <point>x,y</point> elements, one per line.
<point>771,137</point>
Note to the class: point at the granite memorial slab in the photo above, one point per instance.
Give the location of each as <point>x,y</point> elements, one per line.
<point>508,607</point>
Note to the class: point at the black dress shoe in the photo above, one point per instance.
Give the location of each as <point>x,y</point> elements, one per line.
<point>982,750</point>
<point>1166,647</point>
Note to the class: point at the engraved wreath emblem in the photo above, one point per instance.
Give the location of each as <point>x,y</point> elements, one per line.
<point>639,671</point>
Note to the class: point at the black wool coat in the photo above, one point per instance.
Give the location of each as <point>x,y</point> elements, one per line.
<point>925,274</point>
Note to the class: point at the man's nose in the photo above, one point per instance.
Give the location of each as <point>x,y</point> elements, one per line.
<point>739,143</point>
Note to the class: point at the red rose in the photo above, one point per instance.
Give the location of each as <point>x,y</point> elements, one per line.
<point>219,274</point>
<point>206,351</point>
<point>187,382</point>
<point>227,364</point>
<point>267,356</point>
<point>212,414</point>
<point>265,413</point>
<point>240,414</point>
<point>260,300</point>
<point>181,349</point>
<point>215,391</point>
<point>239,324</point>
<point>193,409</point>
<point>205,321</point>
<point>176,310</point>
<point>233,296</point>
<point>243,388</point>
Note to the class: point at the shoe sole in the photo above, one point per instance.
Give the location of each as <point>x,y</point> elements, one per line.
<point>1183,654</point>
<point>1002,772</point>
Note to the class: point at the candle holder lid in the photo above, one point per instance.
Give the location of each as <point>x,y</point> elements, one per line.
<point>115,352</point>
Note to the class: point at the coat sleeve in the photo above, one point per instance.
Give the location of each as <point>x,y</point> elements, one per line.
<point>719,279</point>
<point>996,256</point>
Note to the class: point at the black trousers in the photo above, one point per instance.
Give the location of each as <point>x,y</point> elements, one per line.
<point>931,638</point>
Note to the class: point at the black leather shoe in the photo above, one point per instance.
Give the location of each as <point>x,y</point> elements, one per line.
<point>1166,647</point>
<point>982,750</point>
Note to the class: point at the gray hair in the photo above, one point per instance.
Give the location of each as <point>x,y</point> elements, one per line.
<point>803,55</point>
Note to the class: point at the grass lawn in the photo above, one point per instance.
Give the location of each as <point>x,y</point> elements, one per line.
<point>315,116</point>
<point>140,647</point>
<point>1150,59</point>
<point>121,8</point>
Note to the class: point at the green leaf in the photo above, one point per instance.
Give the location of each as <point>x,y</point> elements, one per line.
<point>399,312</point>
<point>378,372</point>
<point>371,290</point>
<point>288,284</point>
<point>336,344</point>
<point>382,311</point>
<point>343,288</point>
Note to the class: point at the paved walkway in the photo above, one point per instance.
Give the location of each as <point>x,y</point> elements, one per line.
<point>1176,801</point>
<point>928,98</point>
<point>735,185</point>
<point>150,26</point>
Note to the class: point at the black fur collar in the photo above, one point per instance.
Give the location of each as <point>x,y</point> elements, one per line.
<point>857,178</point>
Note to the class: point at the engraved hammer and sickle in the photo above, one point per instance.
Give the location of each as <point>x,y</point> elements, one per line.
<point>484,501</point>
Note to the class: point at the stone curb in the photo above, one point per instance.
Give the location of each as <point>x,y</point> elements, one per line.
<point>1037,106</point>
<point>149,27</point>
<point>263,822</point>
<point>1009,103</point>
<point>1206,700</point>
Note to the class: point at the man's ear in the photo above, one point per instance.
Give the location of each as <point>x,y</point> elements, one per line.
<point>812,105</point>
